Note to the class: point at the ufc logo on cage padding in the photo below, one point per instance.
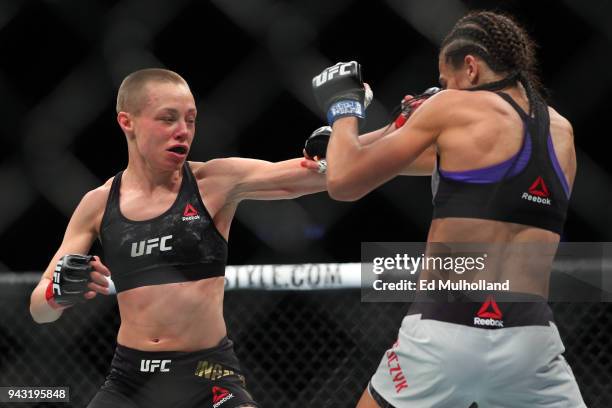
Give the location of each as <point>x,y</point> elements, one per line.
<point>338,70</point>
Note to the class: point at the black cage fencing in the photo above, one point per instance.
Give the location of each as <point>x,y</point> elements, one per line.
<point>298,348</point>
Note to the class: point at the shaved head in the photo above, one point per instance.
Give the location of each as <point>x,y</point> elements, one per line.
<point>132,93</point>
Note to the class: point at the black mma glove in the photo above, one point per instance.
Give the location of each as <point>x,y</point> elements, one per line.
<point>409,106</point>
<point>70,279</point>
<point>340,92</point>
<point>316,144</point>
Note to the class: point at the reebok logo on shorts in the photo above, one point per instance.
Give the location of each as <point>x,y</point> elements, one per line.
<point>190,213</point>
<point>220,395</point>
<point>538,192</point>
<point>489,314</point>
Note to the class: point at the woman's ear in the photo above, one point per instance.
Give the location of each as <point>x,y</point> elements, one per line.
<point>471,68</point>
<point>125,122</point>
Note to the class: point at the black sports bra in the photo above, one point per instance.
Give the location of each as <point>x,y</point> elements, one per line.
<point>182,244</point>
<point>529,188</point>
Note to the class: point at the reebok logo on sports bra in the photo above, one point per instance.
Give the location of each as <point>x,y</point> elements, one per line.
<point>538,192</point>
<point>190,213</point>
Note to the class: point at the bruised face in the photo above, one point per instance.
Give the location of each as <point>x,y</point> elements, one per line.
<point>455,78</point>
<point>164,127</point>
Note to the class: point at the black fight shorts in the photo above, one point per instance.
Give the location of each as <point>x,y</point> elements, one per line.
<point>209,378</point>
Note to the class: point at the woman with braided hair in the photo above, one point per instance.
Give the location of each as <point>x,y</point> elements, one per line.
<point>503,175</point>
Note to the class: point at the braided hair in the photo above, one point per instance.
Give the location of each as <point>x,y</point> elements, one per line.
<point>505,47</point>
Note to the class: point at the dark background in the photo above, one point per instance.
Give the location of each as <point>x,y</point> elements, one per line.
<point>249,64</point>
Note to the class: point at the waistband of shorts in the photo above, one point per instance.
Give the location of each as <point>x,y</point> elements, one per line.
<point>133,354</point>
<point>489,313</point>
<point>382,403</point>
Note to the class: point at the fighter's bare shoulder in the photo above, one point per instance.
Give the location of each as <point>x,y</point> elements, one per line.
<point>445,96</point>
<point>227,167</point>
<point>453,101</point>
<point>453,106</point>
<point>559,122</point>
<point>456,97</point>
<point>90,210</point>
<point>97,197</point>
<point>225,176</point>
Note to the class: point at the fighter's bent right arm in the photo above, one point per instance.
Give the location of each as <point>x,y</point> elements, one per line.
<point>78,238</point>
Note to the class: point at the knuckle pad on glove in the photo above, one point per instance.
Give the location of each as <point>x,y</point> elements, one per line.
<point>74,275</point>
<point>316,144</point>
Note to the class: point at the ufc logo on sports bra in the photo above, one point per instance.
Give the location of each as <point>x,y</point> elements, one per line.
<point>150,366</point>
<point>145,247</point>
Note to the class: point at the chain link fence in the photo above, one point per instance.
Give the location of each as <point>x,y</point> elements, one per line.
<point>298,349</point>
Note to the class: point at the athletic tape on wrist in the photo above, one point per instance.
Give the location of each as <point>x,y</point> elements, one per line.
<point>344,108</point>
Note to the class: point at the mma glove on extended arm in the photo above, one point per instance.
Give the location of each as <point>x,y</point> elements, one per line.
<point>316,144</point>
<point>316,147</point>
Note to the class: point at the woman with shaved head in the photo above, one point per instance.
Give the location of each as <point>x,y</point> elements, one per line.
<point>164,225</point>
